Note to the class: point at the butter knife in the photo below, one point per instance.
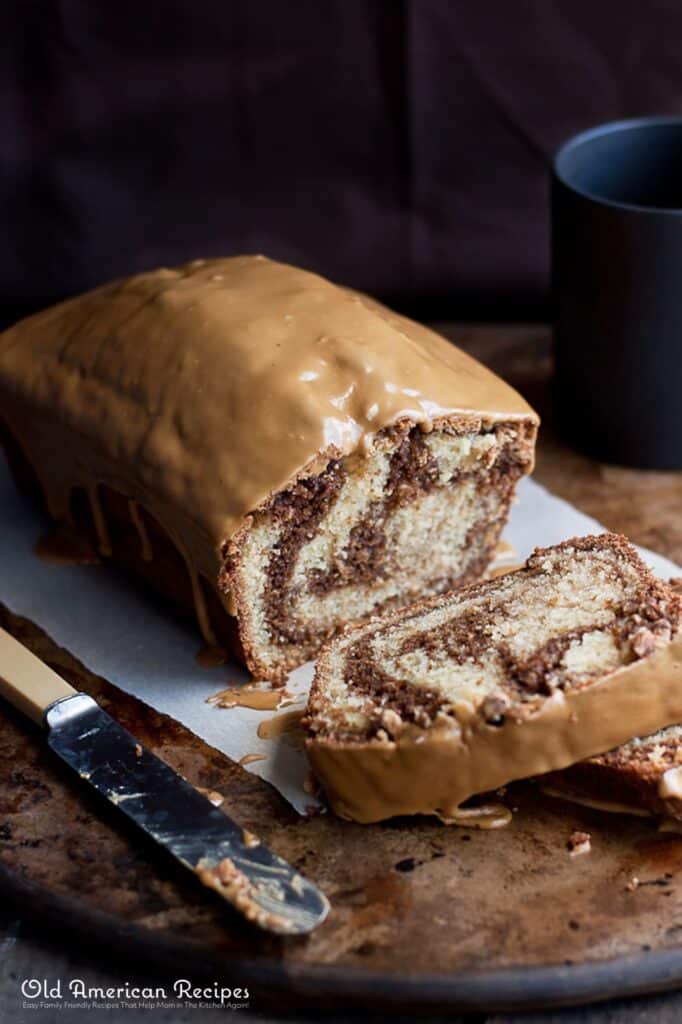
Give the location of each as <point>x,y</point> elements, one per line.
<point>262,887</point>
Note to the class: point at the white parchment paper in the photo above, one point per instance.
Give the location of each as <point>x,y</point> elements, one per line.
<point>126,637</point>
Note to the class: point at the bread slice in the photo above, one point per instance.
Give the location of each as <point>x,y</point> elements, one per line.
<point>273,451</point>
<point>530,672</point>
<point>642,776</point>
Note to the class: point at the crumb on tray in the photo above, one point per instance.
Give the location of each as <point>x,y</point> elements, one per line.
<point>579,843</point>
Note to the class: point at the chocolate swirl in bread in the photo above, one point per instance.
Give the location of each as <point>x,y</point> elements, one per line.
<point>258,442</point>
<point>525,674</point>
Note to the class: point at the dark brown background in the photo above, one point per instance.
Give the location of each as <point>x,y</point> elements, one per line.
<point>398,145</point>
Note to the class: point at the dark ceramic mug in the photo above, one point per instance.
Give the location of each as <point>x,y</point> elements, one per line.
<point>617,291</point>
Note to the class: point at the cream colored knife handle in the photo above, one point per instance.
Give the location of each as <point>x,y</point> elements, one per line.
<point>26,681</point>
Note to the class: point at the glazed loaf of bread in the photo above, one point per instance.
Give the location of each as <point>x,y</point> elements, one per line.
<point>264,446</point>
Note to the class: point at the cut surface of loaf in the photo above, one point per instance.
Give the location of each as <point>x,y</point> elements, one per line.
<point>307,456</point>
<point>524,674</point>
<point>419,515</point>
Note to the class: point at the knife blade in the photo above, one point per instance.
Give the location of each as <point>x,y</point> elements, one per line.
<point>266,890</point>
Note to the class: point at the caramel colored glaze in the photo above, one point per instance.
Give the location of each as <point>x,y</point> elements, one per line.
<point>99,519</point>
<point>138,522</point>
<point>59,548</point>
<point>271,728</point>
<point>199,599</point>
<point>670,784</point>
<point>211,795</point>
<point>435,771</point>
<point>486,817</point>
<point>197,392</point>
<point>252,697</point>
<point>232,884</point>
<point>310,784</point>
<point>250,759</point>
<point>211,657</point>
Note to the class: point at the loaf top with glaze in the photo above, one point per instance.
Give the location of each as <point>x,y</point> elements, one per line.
<point>201,390</point>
